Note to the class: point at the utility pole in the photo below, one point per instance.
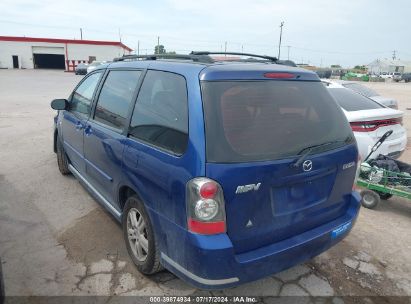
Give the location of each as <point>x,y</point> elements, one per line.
<point>242,48</point>
<point>281,34</point>
<point>394,55</point>
<point>158,44</point>
<point>225,49</point>
<point>138,47</point>
<point>81,33</point>
<point>119,34</point>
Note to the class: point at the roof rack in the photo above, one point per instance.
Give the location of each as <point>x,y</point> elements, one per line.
<point>205,53</point>
<point>195,58</point>
<point>203,57</point>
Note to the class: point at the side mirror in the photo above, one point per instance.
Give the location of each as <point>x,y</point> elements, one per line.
<point>59,104</point>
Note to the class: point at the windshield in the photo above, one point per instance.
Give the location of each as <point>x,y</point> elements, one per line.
<point>350,101</point>
<point>267,120</point>
<point>360,89</point>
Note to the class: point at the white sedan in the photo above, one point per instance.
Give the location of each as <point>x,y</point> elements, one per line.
<point>369,121</point>
<point>92,66</point>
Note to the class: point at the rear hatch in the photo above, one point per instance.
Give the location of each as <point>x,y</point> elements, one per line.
<point>257,129</point>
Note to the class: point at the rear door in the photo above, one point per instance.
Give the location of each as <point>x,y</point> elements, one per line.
<point>74,120</point>
<point>157,150</point>
<point>104,133</point>
<point>256,132</point>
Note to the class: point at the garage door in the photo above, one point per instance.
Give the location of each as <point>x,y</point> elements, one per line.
<point>48,50</point>
<point>48,57</point>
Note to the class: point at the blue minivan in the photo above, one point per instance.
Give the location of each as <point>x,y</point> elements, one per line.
<point>221,171</point>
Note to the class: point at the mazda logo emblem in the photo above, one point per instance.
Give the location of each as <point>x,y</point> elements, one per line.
<point>307,165</point>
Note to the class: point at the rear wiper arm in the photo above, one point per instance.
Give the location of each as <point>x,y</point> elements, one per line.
<point>309,149</point>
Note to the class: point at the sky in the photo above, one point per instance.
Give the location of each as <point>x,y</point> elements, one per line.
<point>316,32</point>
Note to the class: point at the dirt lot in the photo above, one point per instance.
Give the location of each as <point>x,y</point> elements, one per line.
<point>56,240</point>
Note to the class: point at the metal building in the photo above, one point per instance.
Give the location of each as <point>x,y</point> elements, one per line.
<point>380,66</point>
<point>49,53</point>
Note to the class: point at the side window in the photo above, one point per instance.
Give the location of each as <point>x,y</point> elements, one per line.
<point>115,98</point>
<point>160,116</point>
<point>83,95</point>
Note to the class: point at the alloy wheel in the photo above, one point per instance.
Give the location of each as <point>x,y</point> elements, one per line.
<point>137,234</point>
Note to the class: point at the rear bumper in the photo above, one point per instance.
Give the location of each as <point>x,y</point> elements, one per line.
<point>393,148</point>
<point>209,262</point>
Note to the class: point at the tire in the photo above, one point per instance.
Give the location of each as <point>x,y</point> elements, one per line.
<point>62,160</point>
<point>146,257</point>
<point>384,196</point>
<point>369,199</point>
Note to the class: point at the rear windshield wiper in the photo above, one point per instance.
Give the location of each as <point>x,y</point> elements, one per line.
<point>309,149</point>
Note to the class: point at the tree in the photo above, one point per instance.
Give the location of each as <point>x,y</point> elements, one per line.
<point>360,67</point>
<point>159,49</point>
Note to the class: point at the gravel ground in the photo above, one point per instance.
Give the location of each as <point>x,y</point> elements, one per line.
<point>56,240</point>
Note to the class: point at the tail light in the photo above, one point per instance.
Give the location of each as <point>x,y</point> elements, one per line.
<point>205,206</point>
<point>368,126</point>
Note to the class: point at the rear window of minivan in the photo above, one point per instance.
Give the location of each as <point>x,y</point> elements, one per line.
<point>269,119</point>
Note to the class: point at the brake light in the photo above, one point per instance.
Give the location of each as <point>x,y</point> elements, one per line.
<point>205,206</point>
<point>279,75</point>
<point>368,126</point>
<point>206,227</point>
<point>208,190</point>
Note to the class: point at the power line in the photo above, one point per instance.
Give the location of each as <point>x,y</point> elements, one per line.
<point>190,43</point>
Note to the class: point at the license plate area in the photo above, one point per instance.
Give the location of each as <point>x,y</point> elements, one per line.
<point>296,196</point>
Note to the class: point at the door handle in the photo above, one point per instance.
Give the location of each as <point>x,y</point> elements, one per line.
<point>79,126</point>
<point>88,130</point>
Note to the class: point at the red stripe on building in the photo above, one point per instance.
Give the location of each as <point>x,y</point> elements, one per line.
<point>65,41</point>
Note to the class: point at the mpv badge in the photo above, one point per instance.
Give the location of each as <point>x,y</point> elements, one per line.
<point>307,165</point>
<point>246,188</point>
